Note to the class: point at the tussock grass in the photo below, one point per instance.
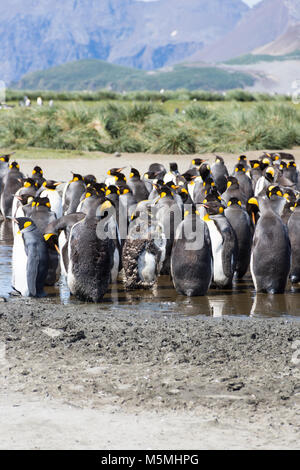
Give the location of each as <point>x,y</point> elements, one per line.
<point>228,126</point>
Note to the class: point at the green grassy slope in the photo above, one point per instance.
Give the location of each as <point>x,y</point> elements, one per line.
<point>91,74</point>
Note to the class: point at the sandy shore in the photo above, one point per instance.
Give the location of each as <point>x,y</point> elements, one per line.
<point>60,169</point>
<point>81,377</point>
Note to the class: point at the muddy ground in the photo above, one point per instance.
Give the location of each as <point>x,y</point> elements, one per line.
<point>79,376</point>
<point>74,376</point>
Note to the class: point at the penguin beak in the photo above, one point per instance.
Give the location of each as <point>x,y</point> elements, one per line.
<point>57,249</point>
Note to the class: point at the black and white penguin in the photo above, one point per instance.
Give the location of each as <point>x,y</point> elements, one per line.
<point>169,214</point>
<point>172,174</point>
<point>224,244</point>
<point>220,174</point>
<point>72,194</point>
<point>91,259</point>
<point>241,224</point>
<point>271,251</point>
<point>37,176</point>
<point>30,259</point>
<point>4,159</point>
<point>244,180</point>
<point>62,228</point>
<point>54,271</point>
<point>293,229</point>
<point>12,182</point>
<point>40,213</point>
<point>191,257</point>
<point>29,188</point>
<point>49,190</point>
<point>137,186</point>
<point>233,190</point>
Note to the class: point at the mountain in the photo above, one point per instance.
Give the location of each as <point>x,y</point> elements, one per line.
<point>40,34</point>
<point>263,24</point>
<point>94,74</point>
<point>286,43</point>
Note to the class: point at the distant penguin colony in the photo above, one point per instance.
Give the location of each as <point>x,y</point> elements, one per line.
<point>204,227</point>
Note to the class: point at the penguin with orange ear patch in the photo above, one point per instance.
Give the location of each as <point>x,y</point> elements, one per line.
<point>30,259</point>
<point>224,244</point>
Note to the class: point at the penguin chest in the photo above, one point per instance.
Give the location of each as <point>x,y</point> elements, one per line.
<point>147,267</point>
<point>19,266</point>
<point>115,268</point>
<point>217,250</point>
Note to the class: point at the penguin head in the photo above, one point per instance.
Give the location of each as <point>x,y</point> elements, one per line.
<point>52,241</point>
<point>173,167</point>
<point>24,199</point>
<point>134,173</point>
<point>282,165</point>
<point>120,178</point>
<point>41,202</point>
<point>30,183</point>
<point>213,195</point>
<point>234,201</point>
<point>124,189</point>
<point>4,158</point>
<point>275,157</point>
<point>270,173</point>
<point>51,184</point>
<point>274,191</point>
<point>255,164</point>
<point>219,160</point>
<point>253,209</point>
<point>25,224</point>
<point>204,171</point>
<point>232,182</point>
<point>89,179</point>
<point>197,162</point>
<point>105,210</point>
<point>14,166</point>
<point>100,188</point>
<point>165,191</point>
<point>242,158</point>
<point>292,165</point>
<point>115,171</point>
<point>76,177</point>
<point>112,189</point>
<point>183,193</point>
<point>37,171</point>
<point>240,168</point>
<point>290,195</point>
<point>213,208</point>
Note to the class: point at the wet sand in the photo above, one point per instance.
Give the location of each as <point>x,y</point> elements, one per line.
<point>82,376</point>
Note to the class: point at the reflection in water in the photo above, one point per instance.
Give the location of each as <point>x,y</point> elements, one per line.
<point>163,299</point>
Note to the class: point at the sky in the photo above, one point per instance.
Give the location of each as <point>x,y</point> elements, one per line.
<point>249,2</point>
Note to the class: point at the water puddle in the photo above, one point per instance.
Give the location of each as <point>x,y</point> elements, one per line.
<point>241,301</point>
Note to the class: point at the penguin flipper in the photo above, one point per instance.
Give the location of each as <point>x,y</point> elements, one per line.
<point>32,270</point>
<point>229,253</point>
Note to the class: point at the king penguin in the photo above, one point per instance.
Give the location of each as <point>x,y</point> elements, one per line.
<point>271,251</point>
<point>30,259</point>
<point>191,257</point>
<point>241,224</point>
<point>294,230</point>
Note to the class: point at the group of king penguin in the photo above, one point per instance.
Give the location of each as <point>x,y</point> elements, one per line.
<point>204,227</point>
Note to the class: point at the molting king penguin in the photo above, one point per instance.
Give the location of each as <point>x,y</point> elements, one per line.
<point>30,259</point>
<point>144,249</point>
<point>91,258</point>
<point>271,250</point>
<point>191,257</point>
